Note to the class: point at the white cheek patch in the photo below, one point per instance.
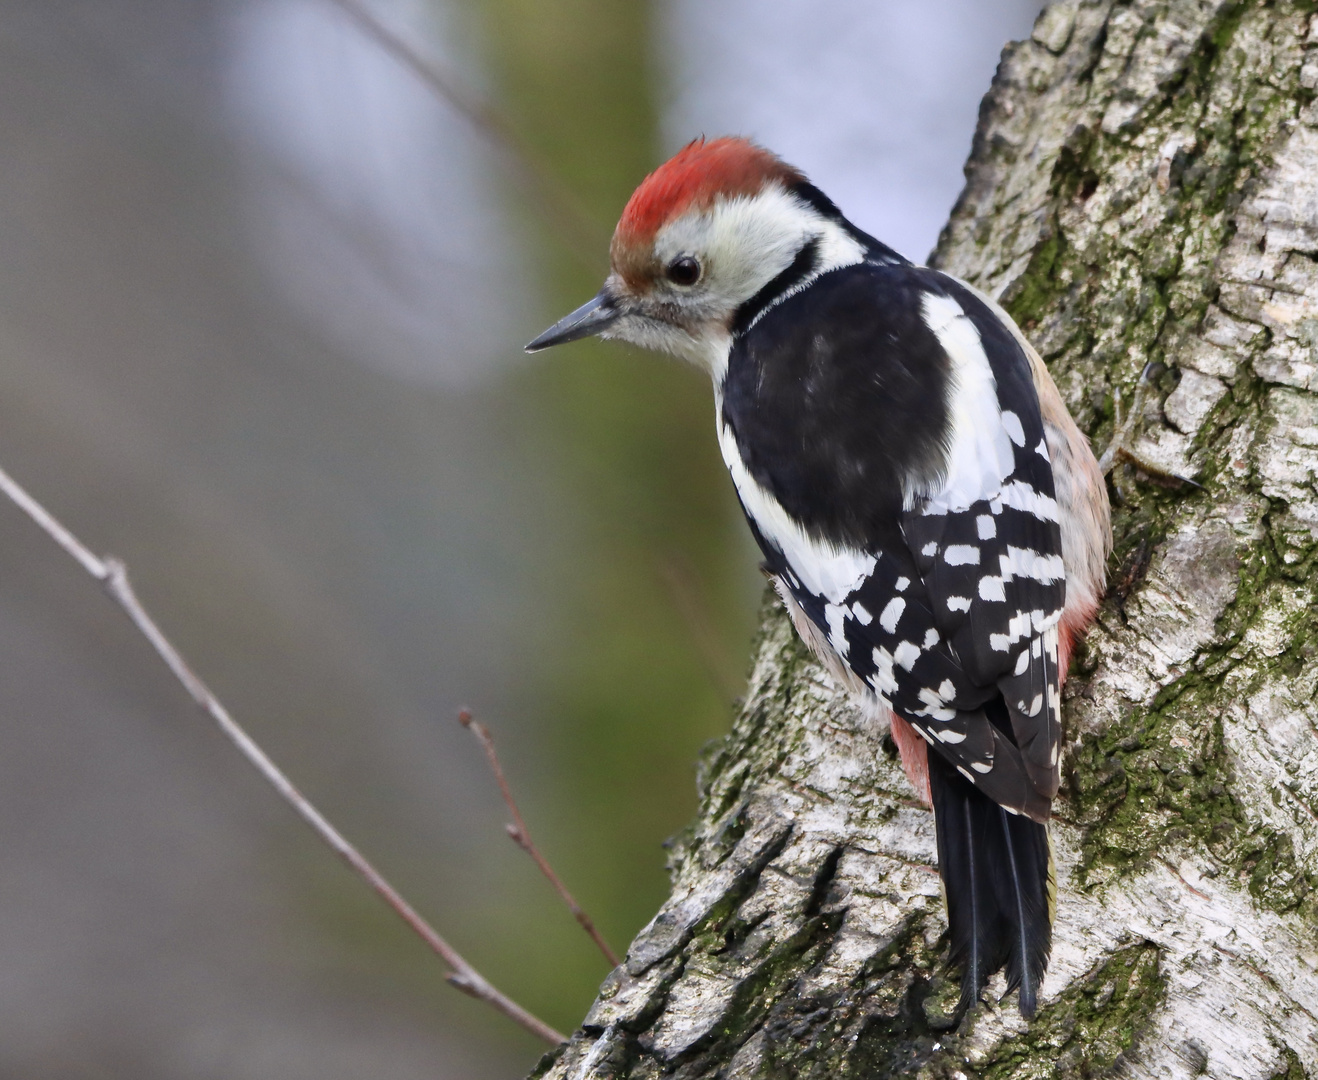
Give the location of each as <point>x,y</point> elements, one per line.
<point>723,238</point>
<point>745,242</point>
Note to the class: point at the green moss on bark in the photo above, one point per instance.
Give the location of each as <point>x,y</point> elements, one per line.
<point>1293,1068</point>
<point>1092,1029</point>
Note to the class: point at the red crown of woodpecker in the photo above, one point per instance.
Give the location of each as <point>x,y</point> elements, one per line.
<point>692,179</point>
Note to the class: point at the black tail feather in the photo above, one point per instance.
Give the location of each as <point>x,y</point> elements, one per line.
<point>997,874</point>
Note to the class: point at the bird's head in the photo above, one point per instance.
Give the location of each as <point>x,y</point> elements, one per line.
<point>703,235</point>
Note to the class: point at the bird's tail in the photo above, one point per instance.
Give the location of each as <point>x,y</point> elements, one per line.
<point>997,871</point>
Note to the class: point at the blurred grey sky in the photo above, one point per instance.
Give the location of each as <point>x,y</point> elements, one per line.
<point>261,304</point>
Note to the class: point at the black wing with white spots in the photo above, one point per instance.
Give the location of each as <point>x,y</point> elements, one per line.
<point>993,566</point>
<point>894,420</point>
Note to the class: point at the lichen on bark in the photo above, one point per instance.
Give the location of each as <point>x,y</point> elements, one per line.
<point>1142,196</point>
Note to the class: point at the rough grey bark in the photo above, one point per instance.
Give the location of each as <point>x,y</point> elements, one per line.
<point>1143,189</point>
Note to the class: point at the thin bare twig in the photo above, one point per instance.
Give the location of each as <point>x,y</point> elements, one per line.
<point>113,575</point>
<point>522,838</point>
<point>582,234</point>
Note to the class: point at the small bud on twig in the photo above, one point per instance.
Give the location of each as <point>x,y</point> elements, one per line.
<point>517,832</point>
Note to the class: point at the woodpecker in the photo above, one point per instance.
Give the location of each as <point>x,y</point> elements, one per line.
<point>934,521</point>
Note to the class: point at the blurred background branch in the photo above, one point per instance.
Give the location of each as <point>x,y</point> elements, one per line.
<point>113,575</point>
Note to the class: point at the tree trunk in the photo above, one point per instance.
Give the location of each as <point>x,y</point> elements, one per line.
<point>1143,190</point>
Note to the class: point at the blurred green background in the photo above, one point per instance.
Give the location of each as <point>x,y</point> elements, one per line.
<point>262,296</point>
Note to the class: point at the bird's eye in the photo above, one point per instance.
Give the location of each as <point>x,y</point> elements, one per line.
<point>684,270</point>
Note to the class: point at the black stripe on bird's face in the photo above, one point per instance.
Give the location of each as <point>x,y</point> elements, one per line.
<point>801,268</point>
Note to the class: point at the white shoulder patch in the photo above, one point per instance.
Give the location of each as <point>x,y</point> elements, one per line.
<point>979,455</point>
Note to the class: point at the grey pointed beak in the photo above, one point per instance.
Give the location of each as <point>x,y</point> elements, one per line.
<point>595,315</point>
